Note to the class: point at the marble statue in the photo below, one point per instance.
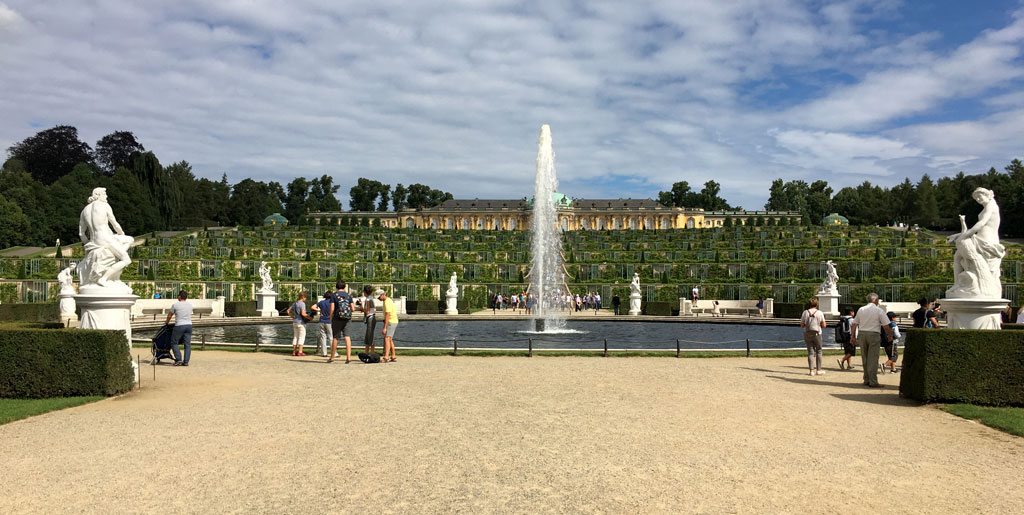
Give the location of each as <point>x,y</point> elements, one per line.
<point>634,287</point>
<point>634,295</point>
<point>831,282</point>
<point>453,288</point>
<point>106,253</point>
<point>268,283</point>
<point>66,279</point>
<point>978,256</point>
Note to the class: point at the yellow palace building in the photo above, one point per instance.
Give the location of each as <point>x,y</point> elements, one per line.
<point>573,215</point>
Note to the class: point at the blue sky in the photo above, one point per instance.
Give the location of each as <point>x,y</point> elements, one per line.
<point>453,93</point>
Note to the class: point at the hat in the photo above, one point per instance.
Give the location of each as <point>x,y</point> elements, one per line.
<point>378,293</point>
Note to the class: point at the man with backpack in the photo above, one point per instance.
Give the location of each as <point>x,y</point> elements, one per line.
<point>844,333</point>
<point>340,321</point>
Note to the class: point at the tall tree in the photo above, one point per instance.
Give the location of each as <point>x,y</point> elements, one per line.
<point>818,204</point>
<point>709,198</point>
<point>322,194</point>
<point>363,194</point>
<point>131,203</point>
<point>14,224</point>
<point>398,197</point>
<point>52,153</point>
<point>117,149</point>
<point>926,205</point>
<point>252,201</point>
<point>295,203</point>
<point>385,191</point>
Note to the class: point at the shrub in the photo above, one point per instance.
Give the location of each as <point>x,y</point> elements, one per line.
<point>35,312</point>
<point>662,309</point>
<point>240,309</point>
<point>964,365</point>
<point>41,363</point>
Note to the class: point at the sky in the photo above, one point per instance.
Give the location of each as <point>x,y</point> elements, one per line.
<point>452,94</point>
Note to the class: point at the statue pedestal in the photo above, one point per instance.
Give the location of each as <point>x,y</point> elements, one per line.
<point>453,305</point>
<point>634,303</point>
<point>110,311</point>
<point>67,307</point>
<point>828,302</point>
<point>266,303</point>
<point>973,313</point>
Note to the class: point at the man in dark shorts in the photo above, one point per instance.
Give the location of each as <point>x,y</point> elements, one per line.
<point>844,333</point>
<point>340,322</point>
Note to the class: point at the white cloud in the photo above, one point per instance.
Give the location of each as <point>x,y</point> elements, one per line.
<point>452,94</point>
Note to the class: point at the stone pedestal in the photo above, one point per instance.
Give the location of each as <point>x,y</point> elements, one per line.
<point>453,305</point>
<point>67,307</point>
<point>973,313</point>
<point>266,303</point>
<point>634,303</point>
<point>110,311</point>
<point>685,307</point>
<point>828,302</point>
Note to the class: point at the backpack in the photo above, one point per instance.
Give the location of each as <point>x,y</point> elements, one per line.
<point>369,358</point>
<point>844,330</point>
<point>342,305</point>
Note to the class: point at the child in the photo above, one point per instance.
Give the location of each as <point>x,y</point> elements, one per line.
<point>844,334</point>
<point>891,352</point>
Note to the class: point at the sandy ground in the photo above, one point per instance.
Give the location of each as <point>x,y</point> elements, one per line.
<point>263,433</point>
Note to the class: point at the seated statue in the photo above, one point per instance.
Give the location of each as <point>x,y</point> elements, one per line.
<point>106,253</point>
<point>978,256</point>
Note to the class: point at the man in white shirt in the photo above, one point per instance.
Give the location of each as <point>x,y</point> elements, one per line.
<point>813,321</point>
<point>182,332</point>
<point>867,330</point>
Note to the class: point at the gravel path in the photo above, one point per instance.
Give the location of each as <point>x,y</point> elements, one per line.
<point>264,433</point>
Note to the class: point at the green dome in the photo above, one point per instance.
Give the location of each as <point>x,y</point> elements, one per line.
<point>275,219</point>
<point>835,219</point>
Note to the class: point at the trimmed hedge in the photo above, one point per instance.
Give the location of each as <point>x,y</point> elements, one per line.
<point>424,307</point>
<point>964,365</point>
<point>35,312</point>
<point>661,309</point>
<point>42,363</point>
<point>240,309</point>
<point>789,309</point>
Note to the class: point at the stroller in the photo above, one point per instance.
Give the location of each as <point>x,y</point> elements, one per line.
<point>161,348</point>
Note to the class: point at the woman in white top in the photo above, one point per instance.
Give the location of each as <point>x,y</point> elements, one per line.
<point>1020,315</point>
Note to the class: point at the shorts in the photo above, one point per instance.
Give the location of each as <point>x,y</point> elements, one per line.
<point>891,351</point>
<point>850,349</point>
<point>339,328</point>
<point>390,331</point>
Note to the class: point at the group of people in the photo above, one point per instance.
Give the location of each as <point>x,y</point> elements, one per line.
<point>872,327</point>
<point>1007,316</point>
<point>334,318</point>
<point>514,301</point>
<point>528,301</point>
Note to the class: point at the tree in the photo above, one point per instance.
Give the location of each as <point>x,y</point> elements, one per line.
<point>363,194</point>
<point>131,203</point>
<point>322,194</point>
<point>116,150</point>
<point>680,196</point>
<point>709,199</point>
<point>926,204</point>
<point>421,196</point>
<point>384,198</point>
<point>252,201</point>
<point>297,199</point>
<point>52,153</point>
<point>398,197</point>
<point>14,224</point>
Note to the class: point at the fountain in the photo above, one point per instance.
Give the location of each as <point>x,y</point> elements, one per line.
<point>546,275</point>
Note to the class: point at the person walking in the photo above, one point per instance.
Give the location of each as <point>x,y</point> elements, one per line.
<point>390,325</point>
<point>924,317</point>
<point>323,335</point>
<point>299,318</point>
<point>813,321</point>
<point>369,318</point>
<point>616,302</point>
<point>182,332</point>
<point>844,333</point>
<point>890,344</point>
<point>342,315</point>
<point>868,326</point>
<point>760,306</point>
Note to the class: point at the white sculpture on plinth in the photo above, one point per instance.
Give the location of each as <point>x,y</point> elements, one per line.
<point>103,300</point>
<point>831,283</point>
<point>634,295</point>
<point>975,299</point>
<point>452,296</point>
<point>268,283</point>
<point>67,293</point>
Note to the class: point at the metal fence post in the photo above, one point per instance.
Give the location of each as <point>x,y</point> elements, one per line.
<point>530,353</point>
<point>257,346</point>
<point>678,350</point>
<point>455,348</point>
<point>606,347</point>
<point>748,347</point>
<point>203,345</point>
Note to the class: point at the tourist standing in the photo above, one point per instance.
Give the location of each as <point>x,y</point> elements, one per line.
<point>369,318</point>
<point>889,344</point>
<point>616,302</point>
<point>1006,315</point>
<point>813,321</point>
<point>760,306</point>
<point>340,321</point>
<point>924,317</point>
<point>299,317</point>
<point>695,294</point>
<point>182,332</point>
<point>390,325</point>
<point>844,333</point>
<point>597,302</point>
<point>868,326</point>
<point>323,336</point>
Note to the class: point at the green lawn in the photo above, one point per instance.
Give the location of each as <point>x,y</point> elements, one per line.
<point>17,409</point>
<point>1010,420</point>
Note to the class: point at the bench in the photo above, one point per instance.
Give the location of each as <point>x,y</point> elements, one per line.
<point>725,307</point>
<point>160,307</point>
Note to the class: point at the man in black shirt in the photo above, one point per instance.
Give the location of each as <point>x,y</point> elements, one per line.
<point>924,317</point>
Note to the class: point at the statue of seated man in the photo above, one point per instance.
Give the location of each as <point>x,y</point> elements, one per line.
<point>106,254</point>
